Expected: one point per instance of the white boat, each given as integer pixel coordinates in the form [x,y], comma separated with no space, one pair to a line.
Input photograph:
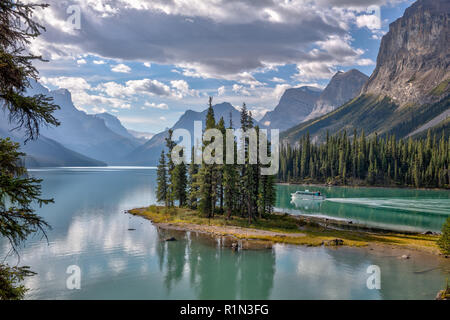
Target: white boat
[307,195]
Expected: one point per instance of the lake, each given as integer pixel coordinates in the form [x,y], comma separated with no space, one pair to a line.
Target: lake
[91,230]
[388,208]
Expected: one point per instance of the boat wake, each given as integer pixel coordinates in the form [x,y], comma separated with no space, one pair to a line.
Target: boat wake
[434,206]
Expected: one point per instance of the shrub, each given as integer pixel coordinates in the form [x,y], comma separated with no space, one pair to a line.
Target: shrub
[444,240]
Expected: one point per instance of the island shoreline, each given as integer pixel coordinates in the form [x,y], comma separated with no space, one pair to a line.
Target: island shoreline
[313,232]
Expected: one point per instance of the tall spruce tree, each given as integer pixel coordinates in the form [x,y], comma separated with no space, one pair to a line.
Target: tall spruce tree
[207,173]
[170,144]
[162,193]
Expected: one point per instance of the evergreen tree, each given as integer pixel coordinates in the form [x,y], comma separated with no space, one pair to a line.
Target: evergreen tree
[170,144]
[162,193]
[207,173]
[18,192]
[193,185]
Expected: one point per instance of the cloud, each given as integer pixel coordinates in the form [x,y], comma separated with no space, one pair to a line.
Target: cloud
[371,21]
[122,68]
[178,89]
[278,80]
[182,88]
[322,62]
[221,91]
[81,61]
[208,39]
[161,106]
[70,83]
[279,90]
[239,89]
[99,62]
[133,87]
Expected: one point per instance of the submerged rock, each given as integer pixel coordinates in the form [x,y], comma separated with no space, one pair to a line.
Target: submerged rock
[405,256]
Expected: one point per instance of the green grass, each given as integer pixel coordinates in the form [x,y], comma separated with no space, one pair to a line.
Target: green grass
[441,88]
[287,227]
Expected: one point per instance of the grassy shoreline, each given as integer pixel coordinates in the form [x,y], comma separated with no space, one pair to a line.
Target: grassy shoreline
[282,228]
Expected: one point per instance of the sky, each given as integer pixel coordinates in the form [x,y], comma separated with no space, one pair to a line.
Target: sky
[148,61]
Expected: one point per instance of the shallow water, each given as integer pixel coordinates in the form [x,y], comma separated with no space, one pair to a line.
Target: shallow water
[90,230]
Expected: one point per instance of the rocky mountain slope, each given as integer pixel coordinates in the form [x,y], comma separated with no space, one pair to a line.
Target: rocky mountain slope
[294,106]
[343,87]
[410,85]
[414,56]
[81,132]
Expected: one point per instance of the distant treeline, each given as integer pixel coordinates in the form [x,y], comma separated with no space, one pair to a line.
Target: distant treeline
[386,161]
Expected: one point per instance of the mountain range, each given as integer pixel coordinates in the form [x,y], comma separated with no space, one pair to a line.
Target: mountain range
[407,94]
[408,91]
[149,153]
[304,103]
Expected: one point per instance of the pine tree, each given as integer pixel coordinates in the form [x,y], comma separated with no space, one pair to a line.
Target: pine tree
[180,184]
[19,194]
[162,193]
[170,144]
[207,172]
[193,185]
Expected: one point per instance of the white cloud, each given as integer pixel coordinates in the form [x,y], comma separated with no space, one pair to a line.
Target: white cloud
[278,80]
[235,48]
[182,88]
[81,61]
[99,62]
[99,110]
[239,89]
[133,87]
[221,91]
[365,62]
[371,21]
[70,83]
[147,64]
[121,68]
[279,90]
[161,106]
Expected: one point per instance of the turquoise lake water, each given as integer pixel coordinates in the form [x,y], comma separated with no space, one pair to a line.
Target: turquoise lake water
[389,208]
[91,231]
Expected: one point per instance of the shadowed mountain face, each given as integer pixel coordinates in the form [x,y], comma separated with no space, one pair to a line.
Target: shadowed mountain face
[294,106]
[83,133]
[45,152]
[409,91]
[414,56]
[116,126]
[301,104]
[149,153]
[343,87]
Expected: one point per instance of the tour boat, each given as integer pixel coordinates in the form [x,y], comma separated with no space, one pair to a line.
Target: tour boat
[308,195]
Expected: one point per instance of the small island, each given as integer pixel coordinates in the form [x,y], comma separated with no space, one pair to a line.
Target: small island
[236,233]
